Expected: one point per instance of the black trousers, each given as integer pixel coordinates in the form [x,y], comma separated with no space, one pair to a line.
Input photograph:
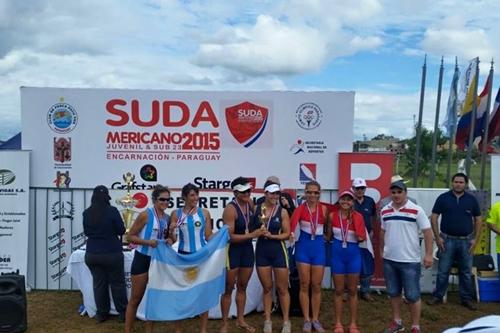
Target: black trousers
[108,273]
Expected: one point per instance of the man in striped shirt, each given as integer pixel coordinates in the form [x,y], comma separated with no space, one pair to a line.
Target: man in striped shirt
[401,222]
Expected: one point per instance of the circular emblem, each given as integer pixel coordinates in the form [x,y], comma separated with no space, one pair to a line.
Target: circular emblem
[6,177]
[197,224]
[191,273]
[62,118]
[308,116]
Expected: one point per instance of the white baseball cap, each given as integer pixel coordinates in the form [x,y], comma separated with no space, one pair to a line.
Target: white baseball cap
[358,182]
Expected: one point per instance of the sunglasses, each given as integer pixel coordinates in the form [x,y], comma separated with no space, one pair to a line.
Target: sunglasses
[397,192]
[244,192]
[312,192]
[163,199]
[360,188]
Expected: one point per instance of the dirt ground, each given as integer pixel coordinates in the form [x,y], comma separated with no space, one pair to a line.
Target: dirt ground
[57,311]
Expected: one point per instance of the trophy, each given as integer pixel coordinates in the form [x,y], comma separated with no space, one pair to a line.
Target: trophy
[263,217]
[127,202]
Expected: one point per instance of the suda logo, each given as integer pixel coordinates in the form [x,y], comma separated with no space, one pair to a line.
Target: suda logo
[6,177]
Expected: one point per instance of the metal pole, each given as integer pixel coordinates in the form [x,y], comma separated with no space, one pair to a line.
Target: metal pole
[419,124]
[454,128]
[436,121]
[470,146]
[487,122]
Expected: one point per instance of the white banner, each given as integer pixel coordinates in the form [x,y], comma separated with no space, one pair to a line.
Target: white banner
[84,137]
[14,210]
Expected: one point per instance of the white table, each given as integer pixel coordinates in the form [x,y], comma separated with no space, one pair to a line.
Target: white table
[80,273]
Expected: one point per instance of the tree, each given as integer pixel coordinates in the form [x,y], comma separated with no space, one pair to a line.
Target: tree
[425,160]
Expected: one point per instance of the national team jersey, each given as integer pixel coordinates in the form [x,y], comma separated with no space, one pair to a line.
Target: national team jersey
[191,231]
[154,229]
[355,228]
[302,217]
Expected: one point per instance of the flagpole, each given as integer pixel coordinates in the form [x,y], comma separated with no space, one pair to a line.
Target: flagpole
[453,129]
[470,146]
[487,123]
[419,124]
[436,121]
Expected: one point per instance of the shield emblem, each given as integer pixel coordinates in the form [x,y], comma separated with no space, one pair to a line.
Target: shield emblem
[246,122]
[62,150]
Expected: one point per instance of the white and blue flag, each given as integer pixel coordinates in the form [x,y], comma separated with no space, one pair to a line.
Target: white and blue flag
[184,285]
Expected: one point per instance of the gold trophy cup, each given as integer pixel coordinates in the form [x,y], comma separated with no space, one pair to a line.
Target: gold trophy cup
[127,202]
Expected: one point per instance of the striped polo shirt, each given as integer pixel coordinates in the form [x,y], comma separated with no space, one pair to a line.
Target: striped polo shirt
[401,226]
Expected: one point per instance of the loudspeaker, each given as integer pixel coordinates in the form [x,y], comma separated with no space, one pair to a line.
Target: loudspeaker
[13,315]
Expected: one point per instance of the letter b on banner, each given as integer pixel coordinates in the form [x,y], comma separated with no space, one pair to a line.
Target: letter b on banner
[376,169]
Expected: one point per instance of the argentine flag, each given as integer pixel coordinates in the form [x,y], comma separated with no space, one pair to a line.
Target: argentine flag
[184,285]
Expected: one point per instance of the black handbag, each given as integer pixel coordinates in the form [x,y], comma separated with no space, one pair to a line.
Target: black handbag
[483,262]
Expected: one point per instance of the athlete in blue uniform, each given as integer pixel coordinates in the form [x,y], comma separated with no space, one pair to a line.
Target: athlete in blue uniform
[238,216]
[271,255]
[146,231]
[192,226]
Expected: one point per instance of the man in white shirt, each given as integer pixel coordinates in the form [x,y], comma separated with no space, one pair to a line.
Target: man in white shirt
[401,221]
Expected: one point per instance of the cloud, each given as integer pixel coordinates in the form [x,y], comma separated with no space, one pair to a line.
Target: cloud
[453,36]
[269,47]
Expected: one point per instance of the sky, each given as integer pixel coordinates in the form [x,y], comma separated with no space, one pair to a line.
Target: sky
[373,47]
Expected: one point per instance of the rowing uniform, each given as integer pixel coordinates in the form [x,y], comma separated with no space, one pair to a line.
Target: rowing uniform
[241,254]
[270,252]
[191,231]
[310,245]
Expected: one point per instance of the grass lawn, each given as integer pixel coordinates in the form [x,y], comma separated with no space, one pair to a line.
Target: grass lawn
[57,311]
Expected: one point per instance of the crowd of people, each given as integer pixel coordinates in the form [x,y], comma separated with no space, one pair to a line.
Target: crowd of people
[313,229]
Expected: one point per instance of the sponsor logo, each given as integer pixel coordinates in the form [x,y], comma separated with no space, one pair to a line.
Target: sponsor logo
[78,237]
[246,122]
[142,200]
[62,150]
[5,258]
[57,246]
[58,260]
[307,172]
[63,210]
[204,183]
[308,116]
[62,179]
[6,177]
[148,173]
[62,118]
[297,147]
[56,236]
[59,274]
[309,146]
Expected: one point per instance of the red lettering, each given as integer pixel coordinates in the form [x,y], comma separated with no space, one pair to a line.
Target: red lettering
[167,118]
[111,108]
[155,114]
[210,116]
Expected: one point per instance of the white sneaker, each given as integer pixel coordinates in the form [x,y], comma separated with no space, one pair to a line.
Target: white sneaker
[287,327]
[268,326]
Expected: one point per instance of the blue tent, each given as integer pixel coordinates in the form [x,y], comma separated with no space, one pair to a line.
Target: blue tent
[12,143]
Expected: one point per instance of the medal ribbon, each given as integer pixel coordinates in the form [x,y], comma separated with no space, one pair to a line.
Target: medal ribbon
[159,233]
[342,233]
[273,211]
[182,219]
[314,222]
[246,217]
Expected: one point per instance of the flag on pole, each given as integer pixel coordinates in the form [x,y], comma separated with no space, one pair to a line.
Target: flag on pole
[482,105]
[450,120]
[185,285]
[494,125]
[468,83]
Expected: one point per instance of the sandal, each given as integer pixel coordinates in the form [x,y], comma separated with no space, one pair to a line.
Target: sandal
[245,327]
[354,329]
[338,328]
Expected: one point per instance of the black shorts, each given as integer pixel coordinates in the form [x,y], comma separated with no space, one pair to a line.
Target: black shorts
[140,263]
[271,252]
[241,255]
